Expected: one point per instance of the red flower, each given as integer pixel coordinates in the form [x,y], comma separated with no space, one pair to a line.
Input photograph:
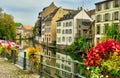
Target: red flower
[8,47]
[101,52]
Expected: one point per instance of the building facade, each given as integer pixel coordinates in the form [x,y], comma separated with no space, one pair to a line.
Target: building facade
[50,24]
[71,26]
[107,12]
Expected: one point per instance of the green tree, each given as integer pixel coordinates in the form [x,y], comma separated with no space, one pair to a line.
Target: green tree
[18,24]
[112,32]
[7,26]
[79,45]
[35,30]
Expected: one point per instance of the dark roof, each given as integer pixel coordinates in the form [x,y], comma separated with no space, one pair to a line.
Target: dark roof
[103,2]
[91,12]
[50,16]
[68,9]
[70,15]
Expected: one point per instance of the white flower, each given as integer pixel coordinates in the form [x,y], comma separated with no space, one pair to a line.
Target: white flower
[88,68]
[101,76]
[106,76]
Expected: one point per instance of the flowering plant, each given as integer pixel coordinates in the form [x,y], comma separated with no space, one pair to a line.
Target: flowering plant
[105,57]
[33,55]
[101,52]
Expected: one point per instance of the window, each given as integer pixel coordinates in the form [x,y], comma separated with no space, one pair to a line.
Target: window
[49,39]
[63,59]
[70,31]
[66,31]
[98,40]
[98,29]
[98,7]
[85,23]
[107,17]
[57,71]
[63,39]
[66,24]
[70,39]
[63,24]
[115,15]
[58,30]
[99,17]
[62,66]
[116,3]
[69,62]
[58,24]
[106,27]
[107,5]
[70,23]
[59,39]
[63,32]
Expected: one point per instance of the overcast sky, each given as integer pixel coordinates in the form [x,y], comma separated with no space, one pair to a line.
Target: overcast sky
[26,11]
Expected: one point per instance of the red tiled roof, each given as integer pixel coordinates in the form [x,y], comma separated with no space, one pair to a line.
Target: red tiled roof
[28,27]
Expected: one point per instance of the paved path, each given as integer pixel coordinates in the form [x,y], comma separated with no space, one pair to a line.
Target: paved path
[8,70]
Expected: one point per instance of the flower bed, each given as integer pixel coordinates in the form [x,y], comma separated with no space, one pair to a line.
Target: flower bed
[104,59]
[6,48]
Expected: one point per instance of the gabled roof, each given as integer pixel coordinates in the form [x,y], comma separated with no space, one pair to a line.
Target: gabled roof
[70,15]
[52,4]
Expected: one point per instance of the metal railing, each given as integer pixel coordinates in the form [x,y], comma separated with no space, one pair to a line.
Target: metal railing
[42,65]
[75,73]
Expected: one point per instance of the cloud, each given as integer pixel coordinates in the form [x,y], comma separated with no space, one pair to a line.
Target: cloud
[26,11]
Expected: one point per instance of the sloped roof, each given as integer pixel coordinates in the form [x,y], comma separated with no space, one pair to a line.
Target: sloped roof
[28,27]
[70,15]
[91,12]
[49,17]
[52,4]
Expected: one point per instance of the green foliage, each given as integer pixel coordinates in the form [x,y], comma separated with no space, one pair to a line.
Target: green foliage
[79,45]
[54,43]
[82,70]
[112,65]
[96,72]
[111,31]
[7,26]
[18,24]
[35,30]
